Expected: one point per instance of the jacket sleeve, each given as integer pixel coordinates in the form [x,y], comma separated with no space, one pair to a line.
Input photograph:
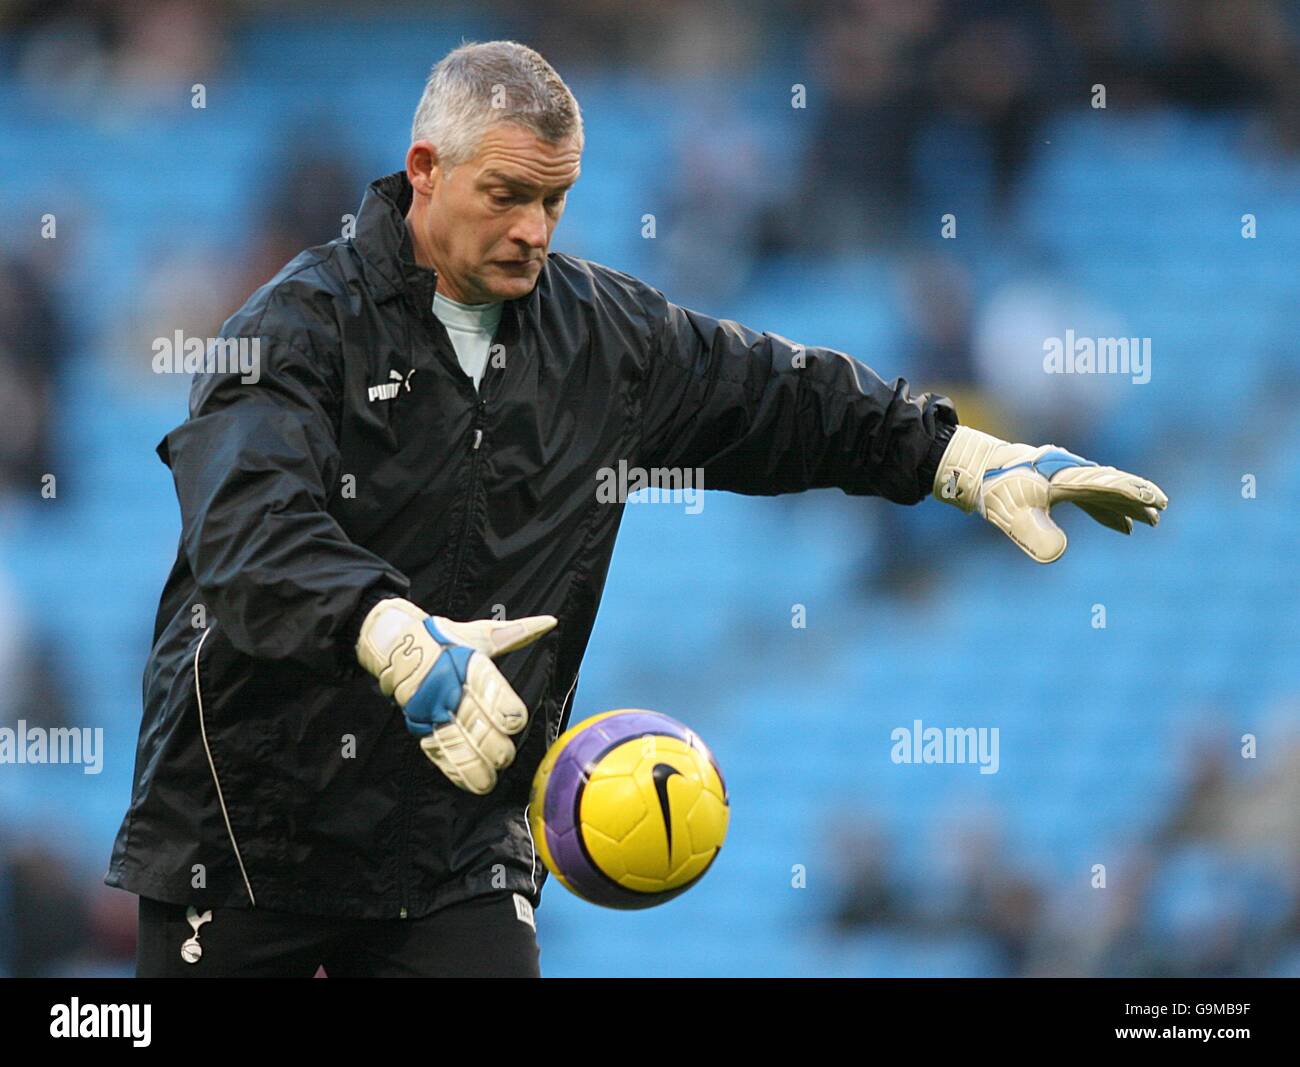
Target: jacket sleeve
[255,466]
[762,415]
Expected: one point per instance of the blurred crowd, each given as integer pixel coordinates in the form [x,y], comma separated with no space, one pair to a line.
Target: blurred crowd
[1213,891]
[891,75]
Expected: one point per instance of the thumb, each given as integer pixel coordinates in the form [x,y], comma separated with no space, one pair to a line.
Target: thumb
[1034,531]
[496,636]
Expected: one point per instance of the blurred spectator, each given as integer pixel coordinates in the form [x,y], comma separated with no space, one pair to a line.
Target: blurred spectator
[33,344]
[13,639]
[1009,334]
[981,891]
[936,295]
[47,907]
[195,287]
[866,97]
[718,197]
[305,194]
[987,78]
[1256,807]
[868,896]
[187,287]
[137,54]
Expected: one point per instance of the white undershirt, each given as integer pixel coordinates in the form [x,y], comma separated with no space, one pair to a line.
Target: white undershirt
[471,328]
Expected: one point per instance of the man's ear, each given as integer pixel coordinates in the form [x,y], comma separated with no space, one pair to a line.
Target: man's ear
[422,169]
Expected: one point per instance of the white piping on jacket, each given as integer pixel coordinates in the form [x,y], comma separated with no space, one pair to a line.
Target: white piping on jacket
[203,729]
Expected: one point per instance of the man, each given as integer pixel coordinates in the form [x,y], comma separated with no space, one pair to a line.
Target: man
[407,494]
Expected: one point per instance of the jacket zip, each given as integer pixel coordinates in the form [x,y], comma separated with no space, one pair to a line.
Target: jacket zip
[473,491]
[477,440]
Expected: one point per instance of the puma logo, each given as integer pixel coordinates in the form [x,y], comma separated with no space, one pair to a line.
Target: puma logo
[390,389]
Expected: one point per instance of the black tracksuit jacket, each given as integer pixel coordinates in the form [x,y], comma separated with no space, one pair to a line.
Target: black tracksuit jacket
[271,772]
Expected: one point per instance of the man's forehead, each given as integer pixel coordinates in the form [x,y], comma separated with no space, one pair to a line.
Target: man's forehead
[516,156]
[525,180]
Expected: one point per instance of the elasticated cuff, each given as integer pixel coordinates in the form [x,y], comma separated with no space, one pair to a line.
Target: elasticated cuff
[930,467]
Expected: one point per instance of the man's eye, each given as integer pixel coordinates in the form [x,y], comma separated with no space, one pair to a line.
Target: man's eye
[502,200]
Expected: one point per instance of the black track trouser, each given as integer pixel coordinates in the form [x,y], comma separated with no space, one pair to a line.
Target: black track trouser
[485,937]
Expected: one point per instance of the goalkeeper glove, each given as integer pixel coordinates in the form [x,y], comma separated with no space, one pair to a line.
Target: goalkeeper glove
[451,693]
[1014,487]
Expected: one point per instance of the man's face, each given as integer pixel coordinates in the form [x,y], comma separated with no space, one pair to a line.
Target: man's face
[485,225]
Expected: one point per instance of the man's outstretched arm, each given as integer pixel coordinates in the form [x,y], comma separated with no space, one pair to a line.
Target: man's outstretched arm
[760,414]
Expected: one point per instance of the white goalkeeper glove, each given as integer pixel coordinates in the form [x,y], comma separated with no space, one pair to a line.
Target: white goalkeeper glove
[1015,486]
[451,693]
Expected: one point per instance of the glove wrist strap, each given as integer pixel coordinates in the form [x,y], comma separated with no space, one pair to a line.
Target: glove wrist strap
[961,470]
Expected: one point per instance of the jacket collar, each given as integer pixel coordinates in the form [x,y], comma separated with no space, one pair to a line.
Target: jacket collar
[384,241]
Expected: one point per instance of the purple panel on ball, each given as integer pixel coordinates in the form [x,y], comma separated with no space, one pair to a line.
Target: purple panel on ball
[559,813]
[557,817]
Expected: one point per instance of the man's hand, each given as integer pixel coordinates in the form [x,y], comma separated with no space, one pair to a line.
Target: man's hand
[1015,486]
[451,693]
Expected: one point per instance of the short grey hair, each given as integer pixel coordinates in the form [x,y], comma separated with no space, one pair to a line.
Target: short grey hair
[478,85]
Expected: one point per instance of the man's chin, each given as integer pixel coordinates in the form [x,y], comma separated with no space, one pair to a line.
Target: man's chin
[510,281]
[512,288]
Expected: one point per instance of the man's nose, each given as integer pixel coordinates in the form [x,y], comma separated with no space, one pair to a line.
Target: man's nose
[530,225]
